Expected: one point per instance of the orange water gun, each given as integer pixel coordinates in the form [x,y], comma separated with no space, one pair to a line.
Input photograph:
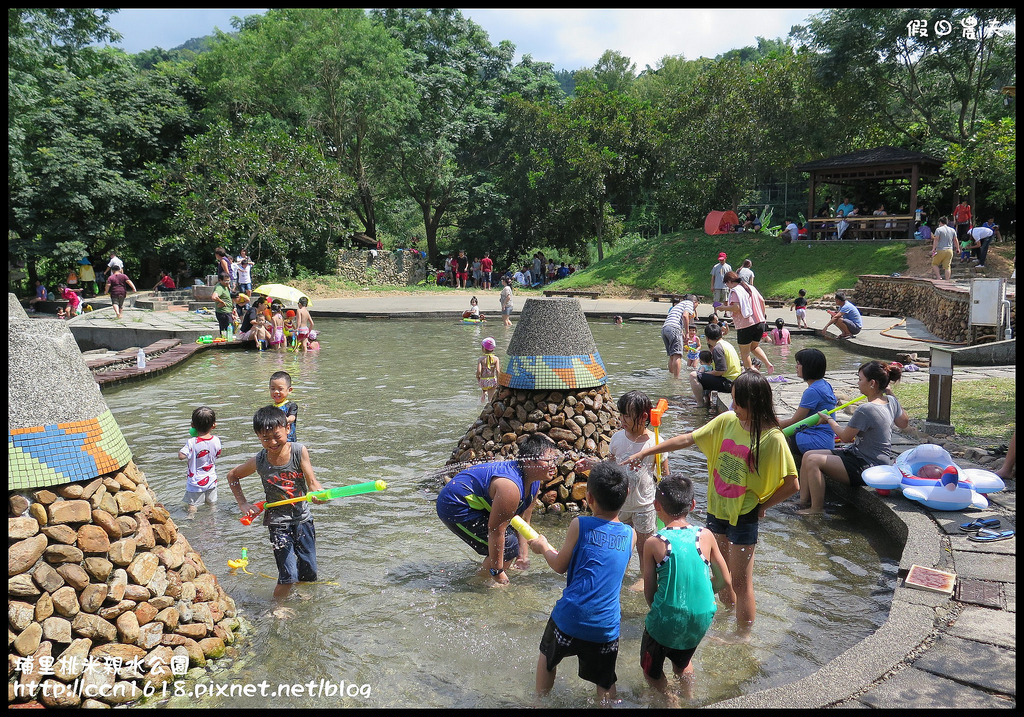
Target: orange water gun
[656,413]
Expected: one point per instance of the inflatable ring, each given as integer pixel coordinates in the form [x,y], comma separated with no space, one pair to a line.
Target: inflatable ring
[472,321]
[927,474]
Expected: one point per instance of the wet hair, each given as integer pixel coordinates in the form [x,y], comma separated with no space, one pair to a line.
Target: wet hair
[303,301]
[203,419]
[267,419]
[713,332]
[880,372]
[752,392]
[705,356]
[675,494]
[780,323]
[635,403]
[282,374]
[802,292]
[813,363]
[536,444]
[609,484]
[840,297]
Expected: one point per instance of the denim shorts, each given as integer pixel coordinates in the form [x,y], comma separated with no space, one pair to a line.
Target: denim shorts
[743,533]
[295,552]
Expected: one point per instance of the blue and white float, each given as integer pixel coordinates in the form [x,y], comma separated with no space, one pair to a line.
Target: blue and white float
[927,474]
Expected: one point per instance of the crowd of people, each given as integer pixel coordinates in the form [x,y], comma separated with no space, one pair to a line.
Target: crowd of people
[462,272]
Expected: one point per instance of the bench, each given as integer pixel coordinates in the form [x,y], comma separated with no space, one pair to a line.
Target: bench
[570,293]
[674,298]
[864,227]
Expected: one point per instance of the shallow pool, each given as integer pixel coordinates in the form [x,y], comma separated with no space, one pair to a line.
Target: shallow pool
[399,620]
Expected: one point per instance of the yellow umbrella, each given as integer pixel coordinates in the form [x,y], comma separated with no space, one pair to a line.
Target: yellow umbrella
[281,291]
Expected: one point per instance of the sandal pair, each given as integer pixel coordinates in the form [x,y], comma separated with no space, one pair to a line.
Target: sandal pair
[980,524]
[990,536]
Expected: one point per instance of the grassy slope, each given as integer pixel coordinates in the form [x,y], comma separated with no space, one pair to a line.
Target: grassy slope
[682,262]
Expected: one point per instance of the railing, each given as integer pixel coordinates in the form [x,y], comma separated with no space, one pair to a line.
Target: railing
[863,228]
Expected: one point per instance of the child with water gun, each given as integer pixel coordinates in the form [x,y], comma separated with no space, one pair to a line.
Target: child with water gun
[286,472]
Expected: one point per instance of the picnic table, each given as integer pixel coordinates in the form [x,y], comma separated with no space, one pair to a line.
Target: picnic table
[864,227]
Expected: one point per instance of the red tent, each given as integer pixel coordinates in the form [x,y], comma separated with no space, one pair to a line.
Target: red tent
[720,222]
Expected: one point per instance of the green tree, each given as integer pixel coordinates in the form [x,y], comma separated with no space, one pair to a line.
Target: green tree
[331,70]
[257,189]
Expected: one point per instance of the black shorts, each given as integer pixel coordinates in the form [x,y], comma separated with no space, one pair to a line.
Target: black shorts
[710,382]
[743,533]
[596,659]
[473,533]
[750,334]
[853,464]
[223,319]
[653,654]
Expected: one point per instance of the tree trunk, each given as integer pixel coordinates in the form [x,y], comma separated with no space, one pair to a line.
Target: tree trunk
[600,228]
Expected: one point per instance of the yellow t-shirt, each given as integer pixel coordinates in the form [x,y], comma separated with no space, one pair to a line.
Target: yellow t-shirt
[87,273]
[733,487]
[733,367]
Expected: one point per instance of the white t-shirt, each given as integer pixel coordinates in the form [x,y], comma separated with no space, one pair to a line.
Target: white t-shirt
[201,454]
[793,231]
[746,274]
[641,481]
[115,263]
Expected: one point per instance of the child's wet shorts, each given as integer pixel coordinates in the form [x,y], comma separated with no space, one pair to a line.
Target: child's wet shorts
[644,520]
[853,464]
[198,497]
[295,552]
[653,654]
[743,533]
[474,534]
[596,659]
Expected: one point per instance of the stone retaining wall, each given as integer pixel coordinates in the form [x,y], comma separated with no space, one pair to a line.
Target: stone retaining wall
[99,574]
[941,306]
[373,268]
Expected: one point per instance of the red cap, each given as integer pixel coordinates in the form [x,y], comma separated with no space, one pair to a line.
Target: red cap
[721,256]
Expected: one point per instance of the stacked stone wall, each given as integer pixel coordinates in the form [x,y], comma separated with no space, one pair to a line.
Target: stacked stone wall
[103,593]
[373,268]
[942,307]
[581,422]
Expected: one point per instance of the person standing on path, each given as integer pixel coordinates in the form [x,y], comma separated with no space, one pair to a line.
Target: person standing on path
[719,291]
[486,267]
[943,242]
[117,288]
[506,301]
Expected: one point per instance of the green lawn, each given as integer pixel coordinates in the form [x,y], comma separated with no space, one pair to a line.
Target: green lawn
[982,410]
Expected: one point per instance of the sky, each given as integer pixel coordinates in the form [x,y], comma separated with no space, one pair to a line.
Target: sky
[568,39]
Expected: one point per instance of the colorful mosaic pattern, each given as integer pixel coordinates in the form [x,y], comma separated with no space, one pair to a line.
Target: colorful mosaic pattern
[553,372]
[65,452]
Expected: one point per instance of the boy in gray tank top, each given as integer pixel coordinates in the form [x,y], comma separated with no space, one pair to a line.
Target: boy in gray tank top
[286,472]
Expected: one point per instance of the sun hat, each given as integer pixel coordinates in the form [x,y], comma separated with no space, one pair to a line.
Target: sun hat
[721,255]
[487,344]
[313,334]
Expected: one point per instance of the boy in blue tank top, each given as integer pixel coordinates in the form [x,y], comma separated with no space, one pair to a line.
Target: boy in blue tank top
[683,569]
[585,620]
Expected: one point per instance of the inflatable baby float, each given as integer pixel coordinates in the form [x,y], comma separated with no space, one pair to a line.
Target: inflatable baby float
[928,475]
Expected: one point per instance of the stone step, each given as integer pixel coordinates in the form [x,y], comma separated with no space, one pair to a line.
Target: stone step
[193,305]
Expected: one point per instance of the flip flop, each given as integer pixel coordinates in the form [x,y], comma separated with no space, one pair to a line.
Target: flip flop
[975,525]
[990,536]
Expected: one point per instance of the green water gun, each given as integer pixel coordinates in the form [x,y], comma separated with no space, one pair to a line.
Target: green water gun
[522,527]
[814,419]
[329,494]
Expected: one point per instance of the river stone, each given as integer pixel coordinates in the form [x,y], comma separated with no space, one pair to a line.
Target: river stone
[94,627]
[117,650]
[159,659]
[107,523]
[93,596]
[124,481]
[18,504]
[20,614]
[44,607]
[111,485]
[144,533]
[70,511]
[21,528]
[71,491]
[57,629]
[98,568]
[145,612]
[107,502]
[195,630]
[128,501]
[122,551]
[22,586]
[158,583]
[165,533]
[61,533]
[47,578]
[206,587]
[195,653]
[138,593]
[93,539]
[65,601]
[44,496]
[98,682]
[118,584]
[128,627]
[115,611]
[123,692]
[213,647]
[188,592]
[201,613]
[55,695]
[38,512]
[156,514]
[23,555]
[161,602]
[91,487]
[28,641]
[142,568]
[30,678]
[75,575]
[149,635]
[76,655]
[127,524]
[63,554]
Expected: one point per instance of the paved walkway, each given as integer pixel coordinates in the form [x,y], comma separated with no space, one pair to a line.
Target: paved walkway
[934,650]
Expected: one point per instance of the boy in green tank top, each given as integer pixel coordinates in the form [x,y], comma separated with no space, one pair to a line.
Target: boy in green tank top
[683,569]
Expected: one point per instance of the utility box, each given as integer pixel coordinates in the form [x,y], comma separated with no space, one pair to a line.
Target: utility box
[989,308]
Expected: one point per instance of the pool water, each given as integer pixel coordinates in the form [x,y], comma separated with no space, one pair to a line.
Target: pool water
[399,618]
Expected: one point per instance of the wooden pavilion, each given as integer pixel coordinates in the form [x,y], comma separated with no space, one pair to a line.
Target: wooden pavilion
[870,165]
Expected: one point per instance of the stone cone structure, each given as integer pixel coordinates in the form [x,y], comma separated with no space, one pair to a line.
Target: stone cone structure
[105,596]
[553,383]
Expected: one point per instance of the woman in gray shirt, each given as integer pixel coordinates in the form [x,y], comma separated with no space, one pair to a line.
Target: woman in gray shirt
[870,431]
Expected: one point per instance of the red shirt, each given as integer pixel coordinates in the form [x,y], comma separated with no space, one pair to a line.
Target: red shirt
[962,214]
[486,264]
[167,282]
